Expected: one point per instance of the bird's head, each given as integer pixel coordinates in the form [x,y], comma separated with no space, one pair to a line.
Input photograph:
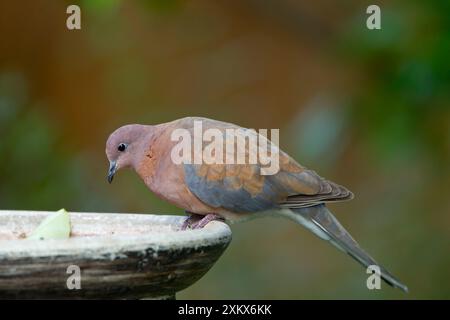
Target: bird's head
[122,146]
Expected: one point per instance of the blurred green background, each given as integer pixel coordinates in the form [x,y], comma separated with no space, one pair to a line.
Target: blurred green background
[367,109]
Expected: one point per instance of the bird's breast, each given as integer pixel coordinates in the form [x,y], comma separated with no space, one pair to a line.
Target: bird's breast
[166,179]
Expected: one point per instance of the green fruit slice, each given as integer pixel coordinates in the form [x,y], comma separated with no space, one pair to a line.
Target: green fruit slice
[55,226]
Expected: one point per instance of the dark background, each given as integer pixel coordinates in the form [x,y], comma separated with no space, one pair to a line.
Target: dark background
[367,109]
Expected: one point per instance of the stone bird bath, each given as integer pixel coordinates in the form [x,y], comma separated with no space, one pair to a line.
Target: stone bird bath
[126,256]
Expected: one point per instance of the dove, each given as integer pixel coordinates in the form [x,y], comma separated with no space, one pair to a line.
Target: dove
[232,191]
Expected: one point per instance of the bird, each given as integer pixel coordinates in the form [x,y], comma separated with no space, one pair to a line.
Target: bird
[231,191]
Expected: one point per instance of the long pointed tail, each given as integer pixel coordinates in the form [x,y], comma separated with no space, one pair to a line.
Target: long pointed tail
[321,222]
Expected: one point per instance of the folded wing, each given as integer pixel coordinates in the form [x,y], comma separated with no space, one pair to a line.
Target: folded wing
[242,187]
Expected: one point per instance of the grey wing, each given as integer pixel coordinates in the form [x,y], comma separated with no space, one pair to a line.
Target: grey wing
[233,192]
[242,187]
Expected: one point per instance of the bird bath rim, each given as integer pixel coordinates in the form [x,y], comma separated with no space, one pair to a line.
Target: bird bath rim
[125,256]
[170,237]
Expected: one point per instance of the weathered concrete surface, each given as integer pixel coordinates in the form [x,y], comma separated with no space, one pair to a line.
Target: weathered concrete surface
[120,255]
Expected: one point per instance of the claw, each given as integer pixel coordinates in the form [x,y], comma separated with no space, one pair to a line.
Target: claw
[205,220]
[195,222]
[190,220]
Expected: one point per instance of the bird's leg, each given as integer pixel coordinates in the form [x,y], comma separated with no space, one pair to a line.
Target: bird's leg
[190,220]
[205,220]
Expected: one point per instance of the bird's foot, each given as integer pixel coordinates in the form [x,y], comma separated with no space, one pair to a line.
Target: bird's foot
[193,221]
[206,219]
[190,220]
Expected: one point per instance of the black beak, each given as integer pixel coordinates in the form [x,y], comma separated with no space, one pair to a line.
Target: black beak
[111,171]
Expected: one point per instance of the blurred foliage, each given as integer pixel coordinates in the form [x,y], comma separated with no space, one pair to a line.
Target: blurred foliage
[368,109]
[405,105]
[37,172]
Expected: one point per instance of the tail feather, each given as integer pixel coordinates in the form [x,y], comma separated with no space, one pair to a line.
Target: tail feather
[321,222]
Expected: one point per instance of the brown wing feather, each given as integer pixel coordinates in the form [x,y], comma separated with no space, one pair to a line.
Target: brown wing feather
[293,186]
[329,192]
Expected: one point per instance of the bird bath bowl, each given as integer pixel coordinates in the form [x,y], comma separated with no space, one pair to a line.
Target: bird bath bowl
[126,256]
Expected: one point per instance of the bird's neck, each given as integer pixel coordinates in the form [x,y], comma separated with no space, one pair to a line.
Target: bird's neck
[150,153]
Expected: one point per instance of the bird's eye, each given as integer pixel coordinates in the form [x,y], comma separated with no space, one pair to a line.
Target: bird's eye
[122,147]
